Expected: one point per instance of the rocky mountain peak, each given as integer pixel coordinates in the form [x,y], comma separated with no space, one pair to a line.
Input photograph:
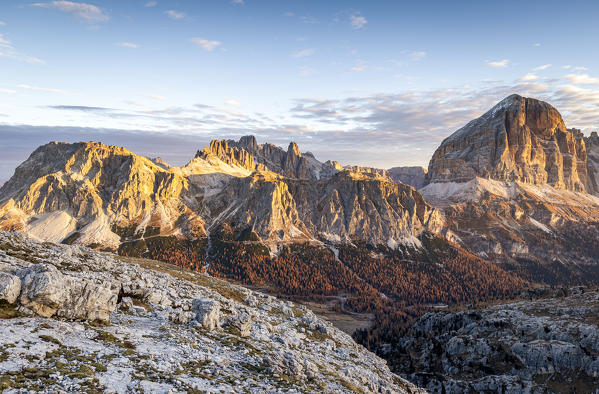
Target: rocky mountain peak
[519,139]
[160,162]
[232,155]
[249,142]
[293,149]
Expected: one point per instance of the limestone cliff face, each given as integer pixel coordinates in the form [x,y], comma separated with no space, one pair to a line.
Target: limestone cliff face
[261,203]
[592,143]
[520,139]
[364,206]
[348,205]
[414,176]
[231,155]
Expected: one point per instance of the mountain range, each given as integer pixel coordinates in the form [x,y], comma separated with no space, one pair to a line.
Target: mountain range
[513,186]
[89,193]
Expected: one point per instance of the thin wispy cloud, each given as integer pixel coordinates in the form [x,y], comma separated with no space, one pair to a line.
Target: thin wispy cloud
[303,53]
[582,79]
[540,68]
[8,50]
[357,21]
[360,65]
[306,71]
[239,2]
[536,44]
[40,89]
[577,68]
[2,23]
[128,45]
[205,44]
[150,4]
[87,12]
[308,19]
[82,108]
[498,64]
[233,103]
[175,14]
[415,56]
[156,97]
[530,77]
[7,91]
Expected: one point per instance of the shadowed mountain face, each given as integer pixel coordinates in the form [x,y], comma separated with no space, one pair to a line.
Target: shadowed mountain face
[520,139]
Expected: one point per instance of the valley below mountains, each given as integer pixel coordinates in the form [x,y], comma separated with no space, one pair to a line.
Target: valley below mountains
[429,258]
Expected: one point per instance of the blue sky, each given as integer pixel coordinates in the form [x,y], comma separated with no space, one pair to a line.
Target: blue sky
[373,83]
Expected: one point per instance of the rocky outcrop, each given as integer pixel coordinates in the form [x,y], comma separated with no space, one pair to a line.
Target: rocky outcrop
[10,287]
[232,155]
[413,176]
[262,203]
[246,153]
[47,292]
[173,331]
[516,186]
[534,346]
[207,313]
[520,139]
[161,163]
[592,143]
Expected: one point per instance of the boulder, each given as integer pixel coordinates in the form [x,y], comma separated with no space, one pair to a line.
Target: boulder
[207,312]
[43,289]
[179,316]
[10,287]
[47,292]
[241,322]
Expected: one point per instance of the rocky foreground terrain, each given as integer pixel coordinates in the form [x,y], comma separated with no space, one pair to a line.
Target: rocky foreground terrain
[530,346]
[72,319]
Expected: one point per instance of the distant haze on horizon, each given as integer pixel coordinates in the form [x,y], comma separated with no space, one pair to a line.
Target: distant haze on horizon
[366,83]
